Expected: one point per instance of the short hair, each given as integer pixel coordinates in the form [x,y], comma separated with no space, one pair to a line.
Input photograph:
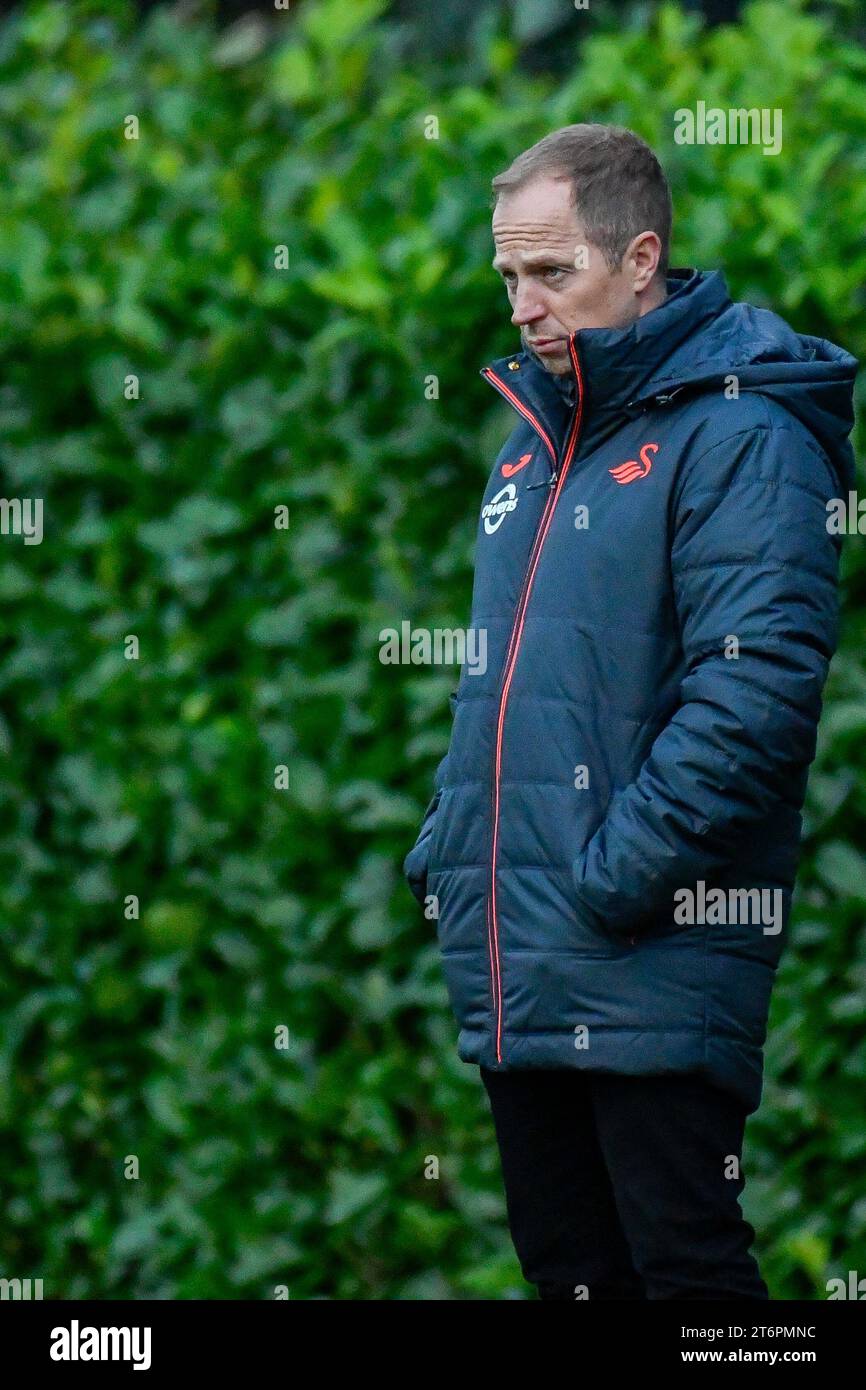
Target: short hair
[618,186]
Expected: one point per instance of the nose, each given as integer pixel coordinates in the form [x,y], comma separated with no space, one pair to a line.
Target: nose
[527,306]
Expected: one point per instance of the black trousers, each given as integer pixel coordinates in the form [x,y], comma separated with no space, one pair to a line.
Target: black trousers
[624,1186]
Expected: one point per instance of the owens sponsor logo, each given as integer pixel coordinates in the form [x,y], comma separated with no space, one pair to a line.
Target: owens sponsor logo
[495,511]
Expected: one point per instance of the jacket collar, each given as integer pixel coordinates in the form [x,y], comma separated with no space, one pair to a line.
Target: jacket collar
[618,365]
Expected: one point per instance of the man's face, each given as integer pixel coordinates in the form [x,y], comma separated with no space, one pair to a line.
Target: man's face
[538,239]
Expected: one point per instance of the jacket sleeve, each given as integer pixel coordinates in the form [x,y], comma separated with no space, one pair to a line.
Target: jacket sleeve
[415,863]
[752,559]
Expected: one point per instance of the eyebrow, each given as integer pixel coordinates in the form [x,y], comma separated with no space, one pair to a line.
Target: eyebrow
[549,258]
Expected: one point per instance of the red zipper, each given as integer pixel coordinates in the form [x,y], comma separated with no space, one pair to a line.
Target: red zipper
[539,428]
[524,410]
[514,647]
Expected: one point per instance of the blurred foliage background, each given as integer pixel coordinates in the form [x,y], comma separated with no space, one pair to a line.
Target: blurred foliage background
[296,379]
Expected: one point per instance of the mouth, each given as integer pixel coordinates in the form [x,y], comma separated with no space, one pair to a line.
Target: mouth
[545,344]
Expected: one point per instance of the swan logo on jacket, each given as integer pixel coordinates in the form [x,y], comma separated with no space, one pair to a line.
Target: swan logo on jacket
[495,511]
[627,472]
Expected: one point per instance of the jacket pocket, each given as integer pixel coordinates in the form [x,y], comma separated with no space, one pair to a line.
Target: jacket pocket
[417,861]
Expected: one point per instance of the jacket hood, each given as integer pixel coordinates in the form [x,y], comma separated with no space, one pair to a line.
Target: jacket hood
[695,340]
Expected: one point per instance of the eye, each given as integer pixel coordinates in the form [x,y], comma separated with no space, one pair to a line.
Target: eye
[547,271]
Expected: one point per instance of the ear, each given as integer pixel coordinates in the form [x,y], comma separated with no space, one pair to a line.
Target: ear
[642,258]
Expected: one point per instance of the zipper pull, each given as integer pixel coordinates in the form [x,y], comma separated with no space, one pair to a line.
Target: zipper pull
[663,400]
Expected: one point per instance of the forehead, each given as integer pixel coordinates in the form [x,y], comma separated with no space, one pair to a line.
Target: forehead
[535,217]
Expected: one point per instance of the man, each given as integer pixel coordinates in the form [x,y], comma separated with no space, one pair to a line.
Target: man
[614,832]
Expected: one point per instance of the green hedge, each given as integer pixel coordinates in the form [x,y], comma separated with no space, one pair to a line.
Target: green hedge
[261,906]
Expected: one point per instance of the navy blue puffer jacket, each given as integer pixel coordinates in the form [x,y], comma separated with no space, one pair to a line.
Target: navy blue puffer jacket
[657,580]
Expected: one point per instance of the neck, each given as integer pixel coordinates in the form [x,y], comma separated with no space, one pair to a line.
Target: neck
[654,297]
